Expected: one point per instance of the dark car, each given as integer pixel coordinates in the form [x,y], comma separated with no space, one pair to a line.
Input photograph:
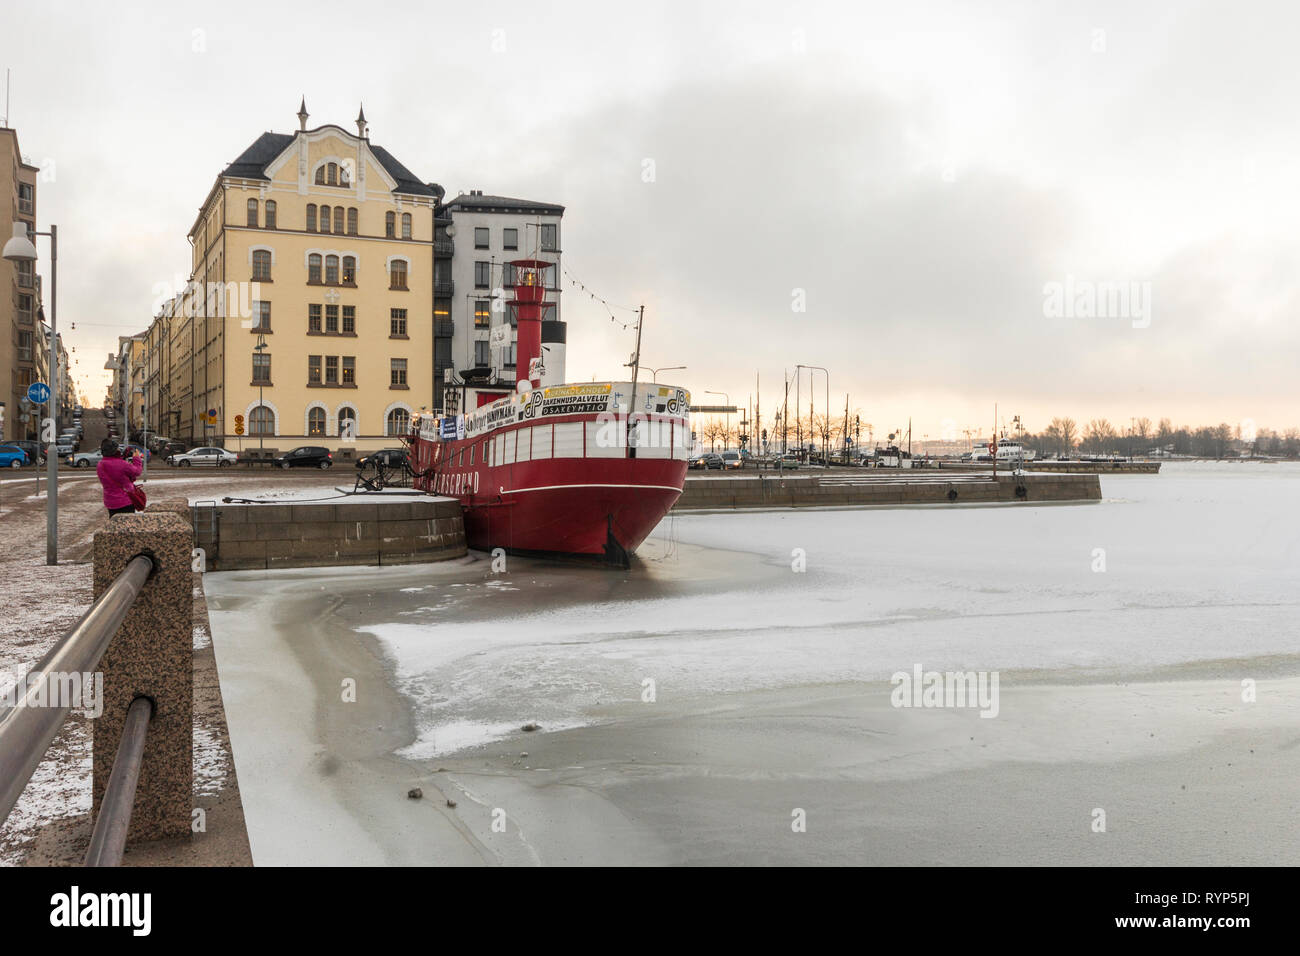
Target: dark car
[172,448]
[308,456]
[709,461]
[393,458]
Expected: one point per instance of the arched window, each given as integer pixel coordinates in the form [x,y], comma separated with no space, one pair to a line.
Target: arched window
[261,265]
[320,175]
[397,274]
[347,422]
[344,178]
[398,423]
[324,218]
[261,421]
[270,214]
[313,267]
[390,224]
[332,177]
[252,213]
[331,270]
[349,270]
[338,219]
[316,421]
[406,225]
[352,221]
[311,217]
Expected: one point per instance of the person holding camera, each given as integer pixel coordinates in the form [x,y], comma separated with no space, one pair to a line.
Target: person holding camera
[117,475]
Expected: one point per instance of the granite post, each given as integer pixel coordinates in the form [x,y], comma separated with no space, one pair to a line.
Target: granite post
[152,655]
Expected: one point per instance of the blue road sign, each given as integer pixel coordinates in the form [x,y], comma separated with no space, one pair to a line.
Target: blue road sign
[38,392]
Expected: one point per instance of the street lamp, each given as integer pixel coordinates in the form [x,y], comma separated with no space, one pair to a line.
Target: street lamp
[20,248]
[728,401]
[261,407]
[654,372]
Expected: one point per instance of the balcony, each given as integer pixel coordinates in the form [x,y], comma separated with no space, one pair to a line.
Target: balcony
[444,288]
[444,328]
[444,248]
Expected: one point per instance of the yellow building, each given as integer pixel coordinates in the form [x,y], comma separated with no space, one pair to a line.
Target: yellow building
[22,346]
[309,314]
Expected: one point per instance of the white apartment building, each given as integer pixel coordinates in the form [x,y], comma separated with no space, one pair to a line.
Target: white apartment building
[473,284]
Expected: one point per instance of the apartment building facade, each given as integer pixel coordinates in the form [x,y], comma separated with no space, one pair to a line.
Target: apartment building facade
[23,344]
[488,232]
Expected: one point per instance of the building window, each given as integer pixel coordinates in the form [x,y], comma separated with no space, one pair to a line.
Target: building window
[482,357]
[398,422]
[397,275]
[390,224]
[261,266]
[347,420]
[270,214]
[406,225]
[349,370]
[324,218]
[338,220]
[331,370]
[26,199]
[252,213]
[313,318]
[261,316]
[352,221]
[313,369]
[332,319]
[510,238]
[349,320]
[508,356]
[482,275]
[548,238]
[397,323]
[25,274]
[320,175]
[481,235]
[261,421]
[508,275]
[316,421]
[397,373]
[331,270]
[313,267]
[349,270]
[24,309]
[482,314]
[311,217]
[24,346]
[261,368]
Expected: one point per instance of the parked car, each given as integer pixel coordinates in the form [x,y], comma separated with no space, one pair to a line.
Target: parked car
[88,459]
[64,446]
[790,460]
[11,456]
[172,448]
[394,458]
[208,455]
[35,451]
[307,456]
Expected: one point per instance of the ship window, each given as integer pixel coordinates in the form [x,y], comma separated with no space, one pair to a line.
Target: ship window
[471,455]
[541,442]
[525,444]
[568,440]
[510,449]
[486,446]
[653,439]
[681,446]
[606,439]
[498,450]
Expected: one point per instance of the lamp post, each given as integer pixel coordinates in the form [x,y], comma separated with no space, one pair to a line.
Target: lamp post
[654,372]
[727,398]
[20,248]
[261,408]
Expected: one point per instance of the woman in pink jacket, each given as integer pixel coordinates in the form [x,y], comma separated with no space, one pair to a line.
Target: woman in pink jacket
[118,476]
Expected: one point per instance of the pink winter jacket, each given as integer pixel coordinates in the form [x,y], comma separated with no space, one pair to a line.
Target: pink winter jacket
[118,475]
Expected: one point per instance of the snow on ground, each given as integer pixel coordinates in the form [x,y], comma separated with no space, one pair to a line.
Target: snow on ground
[1196,564]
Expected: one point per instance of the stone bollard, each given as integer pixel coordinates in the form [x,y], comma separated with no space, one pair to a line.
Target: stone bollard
[151,655]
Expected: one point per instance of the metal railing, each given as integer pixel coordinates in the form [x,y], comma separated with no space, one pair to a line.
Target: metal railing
[29,727]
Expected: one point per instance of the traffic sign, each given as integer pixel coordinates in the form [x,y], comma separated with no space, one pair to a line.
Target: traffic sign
[239,419]
[212,413]
[239,429]
[38,392]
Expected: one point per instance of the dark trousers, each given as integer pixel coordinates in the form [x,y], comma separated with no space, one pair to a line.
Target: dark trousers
[128,510]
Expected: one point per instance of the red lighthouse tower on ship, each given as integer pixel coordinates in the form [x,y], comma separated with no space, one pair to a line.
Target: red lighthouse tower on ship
[547,468]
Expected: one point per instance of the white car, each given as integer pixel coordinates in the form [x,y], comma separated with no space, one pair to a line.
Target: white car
[217,457]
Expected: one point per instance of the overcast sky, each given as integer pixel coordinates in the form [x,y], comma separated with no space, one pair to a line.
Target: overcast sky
[917,175]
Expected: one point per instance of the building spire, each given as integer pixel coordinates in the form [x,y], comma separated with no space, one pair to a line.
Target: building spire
[361,122]
[303,114]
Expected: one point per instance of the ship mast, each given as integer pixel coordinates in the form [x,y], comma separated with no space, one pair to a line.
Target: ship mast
[636,368]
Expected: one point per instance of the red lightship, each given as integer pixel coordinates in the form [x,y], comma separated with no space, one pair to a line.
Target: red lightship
[583,469]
